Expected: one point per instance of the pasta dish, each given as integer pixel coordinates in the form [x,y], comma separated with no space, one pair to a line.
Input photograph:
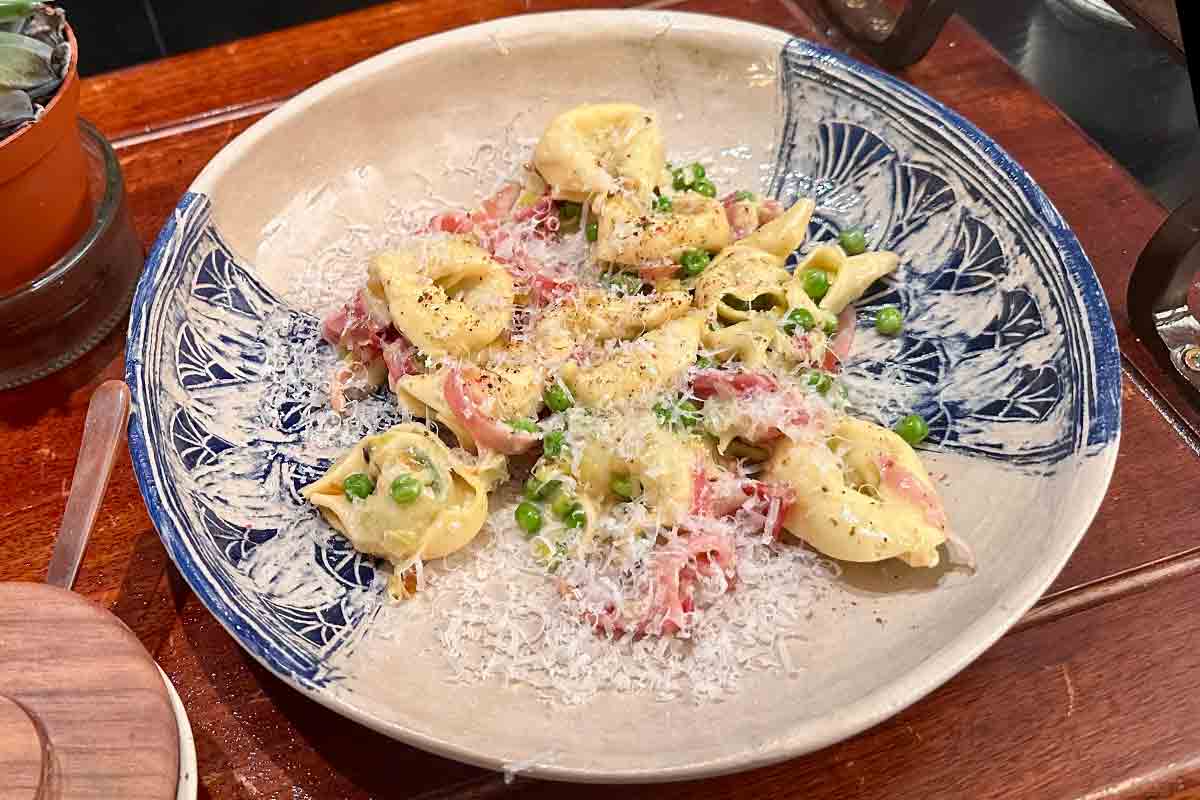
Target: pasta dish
[652,363]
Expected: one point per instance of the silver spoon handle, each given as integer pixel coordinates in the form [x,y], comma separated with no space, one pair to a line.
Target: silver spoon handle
[103,431]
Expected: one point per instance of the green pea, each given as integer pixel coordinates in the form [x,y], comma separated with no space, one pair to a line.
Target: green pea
[680,180]
[704,362]
[821,381]
[830,326]
[592,231]
[742,194]
[853,241]
[798,318]
[912,429]
[705,187]
[698,171]
[625,487]
[561,505]
[889,321]
[815,282]
[523,424]
[529,518]
[552,444]
[358,486]
[576,517]
[693,262]
[663,204]
[405,489]
[557,397]
[569,211]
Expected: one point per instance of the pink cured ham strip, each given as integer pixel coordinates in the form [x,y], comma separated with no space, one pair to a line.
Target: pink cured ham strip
[839,348]
[488,432]
[904,483]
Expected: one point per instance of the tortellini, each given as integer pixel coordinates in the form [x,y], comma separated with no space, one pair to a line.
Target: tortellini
[850,276]
[447,296]
[605,316]
[663,461]
[743,279]
[696,392]
[782,235]
[442,508]
[862,495]
[645,366]
[631,234]
[598,149]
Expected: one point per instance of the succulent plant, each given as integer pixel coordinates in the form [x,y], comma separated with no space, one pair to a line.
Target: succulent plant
[34,58]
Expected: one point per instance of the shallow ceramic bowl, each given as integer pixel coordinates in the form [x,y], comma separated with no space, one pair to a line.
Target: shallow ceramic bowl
[1009,351]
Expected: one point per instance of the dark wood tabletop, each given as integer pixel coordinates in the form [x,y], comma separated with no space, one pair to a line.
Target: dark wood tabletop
[1096,693]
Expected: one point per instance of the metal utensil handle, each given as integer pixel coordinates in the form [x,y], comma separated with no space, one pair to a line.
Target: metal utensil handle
[103,431]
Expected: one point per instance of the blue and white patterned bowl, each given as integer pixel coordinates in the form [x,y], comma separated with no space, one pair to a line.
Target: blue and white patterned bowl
[1009,350]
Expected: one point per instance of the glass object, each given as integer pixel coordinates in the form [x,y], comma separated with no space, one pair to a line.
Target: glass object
[63,313]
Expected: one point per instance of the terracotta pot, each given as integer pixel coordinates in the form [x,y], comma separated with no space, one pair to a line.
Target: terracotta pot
[44,197]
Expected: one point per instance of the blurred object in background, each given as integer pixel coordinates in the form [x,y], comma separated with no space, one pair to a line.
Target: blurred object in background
[1118,83]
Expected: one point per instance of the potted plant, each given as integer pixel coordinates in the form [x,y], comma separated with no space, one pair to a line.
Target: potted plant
[45,205]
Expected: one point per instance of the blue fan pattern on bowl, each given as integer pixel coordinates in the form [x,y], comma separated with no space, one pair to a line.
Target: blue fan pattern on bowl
[1008,350]
[223,449]
[1008,347]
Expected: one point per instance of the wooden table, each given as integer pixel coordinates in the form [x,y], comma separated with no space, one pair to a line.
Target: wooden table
[1095,694]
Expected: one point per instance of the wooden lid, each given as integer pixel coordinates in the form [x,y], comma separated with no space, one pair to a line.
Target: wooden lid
[74,677]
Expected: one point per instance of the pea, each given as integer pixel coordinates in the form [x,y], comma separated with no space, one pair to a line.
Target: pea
[557,397]
[561,505]
[742,194]
[704,362]
[705,187]
[912,429]
[358,486]
[830,326]
[552,444]
[889,321]
[663,204]
[523,424]
[405,489]
[568,211]
[625,487]
[529,518]
[693,262]
[576,517]
[698,171]
[815,282]
[592,231]
[821,381]
[853,241]
[680,181]
[798,318]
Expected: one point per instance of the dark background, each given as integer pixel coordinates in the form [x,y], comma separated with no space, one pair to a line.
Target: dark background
[1115,82]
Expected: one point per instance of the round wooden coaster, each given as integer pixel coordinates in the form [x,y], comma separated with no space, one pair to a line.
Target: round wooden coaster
[95,693]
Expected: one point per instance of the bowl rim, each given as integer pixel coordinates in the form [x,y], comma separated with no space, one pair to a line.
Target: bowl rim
[865,712]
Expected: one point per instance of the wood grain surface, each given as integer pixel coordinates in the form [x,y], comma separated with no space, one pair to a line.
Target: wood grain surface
[96,694]
[1094,695]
